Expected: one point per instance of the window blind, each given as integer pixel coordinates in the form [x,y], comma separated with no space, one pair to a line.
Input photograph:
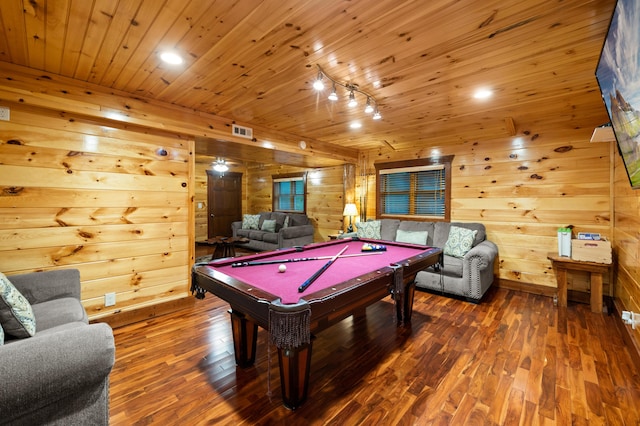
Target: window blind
[413,191]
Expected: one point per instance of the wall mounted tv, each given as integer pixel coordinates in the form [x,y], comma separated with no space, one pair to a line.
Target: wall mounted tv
[618,75]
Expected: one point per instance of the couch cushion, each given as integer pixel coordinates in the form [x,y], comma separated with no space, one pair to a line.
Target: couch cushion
[268,225]
[280,219]
[413,237]
[298,219]
[250,221]
[413,226]
[388,229]
[452,266]
[459,242]
[369,229]
[256,235]
[243,232]
[270,237]
[56,312]
[16,314]
[263,216]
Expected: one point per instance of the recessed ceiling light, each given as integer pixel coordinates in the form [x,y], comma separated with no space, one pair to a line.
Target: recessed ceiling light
[171,58]
[483,94]
[355,125]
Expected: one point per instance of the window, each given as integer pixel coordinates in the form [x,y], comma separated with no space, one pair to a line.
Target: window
[289,193]
[415,189]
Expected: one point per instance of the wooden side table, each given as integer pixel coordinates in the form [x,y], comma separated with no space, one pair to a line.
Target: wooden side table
[563,264]
[224,246]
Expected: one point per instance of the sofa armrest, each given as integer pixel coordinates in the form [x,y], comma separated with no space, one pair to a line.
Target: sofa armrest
[477,269]
[39,371]
[40,287]
[296,231]
[234,228]
[486,252]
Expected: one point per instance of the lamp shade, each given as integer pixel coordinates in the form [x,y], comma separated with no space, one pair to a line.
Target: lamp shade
[350,210]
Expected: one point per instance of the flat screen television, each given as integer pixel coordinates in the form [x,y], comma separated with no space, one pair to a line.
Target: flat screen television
[618,75]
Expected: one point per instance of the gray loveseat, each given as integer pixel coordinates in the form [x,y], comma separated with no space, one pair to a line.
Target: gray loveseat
[469,276]
[60,375]
[291,229]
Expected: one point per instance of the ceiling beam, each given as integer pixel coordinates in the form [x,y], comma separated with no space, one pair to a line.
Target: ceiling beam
[29,87]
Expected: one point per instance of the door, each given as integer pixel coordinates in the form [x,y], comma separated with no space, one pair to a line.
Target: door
[224,197]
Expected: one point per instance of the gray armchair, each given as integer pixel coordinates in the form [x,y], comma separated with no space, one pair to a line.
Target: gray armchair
[61,374]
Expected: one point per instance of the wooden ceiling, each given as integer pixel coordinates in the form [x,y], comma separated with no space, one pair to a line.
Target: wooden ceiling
[254,61]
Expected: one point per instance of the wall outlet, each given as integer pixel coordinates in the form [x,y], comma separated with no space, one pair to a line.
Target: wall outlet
[631,318]
[109,299]
[5,114]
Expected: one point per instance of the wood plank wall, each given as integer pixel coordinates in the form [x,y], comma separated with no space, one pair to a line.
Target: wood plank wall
[325,195]
[523,188]
[627,244]
[113,202]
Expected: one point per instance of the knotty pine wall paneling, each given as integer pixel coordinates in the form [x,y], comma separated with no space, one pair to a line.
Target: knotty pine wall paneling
[626,244]
[115,203]
[325,195]
[523,188]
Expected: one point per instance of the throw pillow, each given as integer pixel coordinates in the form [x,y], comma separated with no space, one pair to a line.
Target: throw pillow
[413,237]
[250,221]
[1,336]
[269,225]
[286,222]
[459,242]
[16,315]
[369,229]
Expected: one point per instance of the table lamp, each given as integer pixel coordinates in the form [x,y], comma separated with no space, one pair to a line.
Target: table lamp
[350,210]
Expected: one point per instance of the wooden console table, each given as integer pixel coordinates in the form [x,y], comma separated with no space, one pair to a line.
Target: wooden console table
[562,264]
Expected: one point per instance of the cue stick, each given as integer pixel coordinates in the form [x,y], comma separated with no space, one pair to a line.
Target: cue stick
[319,272]
[301,259]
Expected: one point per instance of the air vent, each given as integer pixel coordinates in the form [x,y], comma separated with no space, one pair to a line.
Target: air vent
[243,132]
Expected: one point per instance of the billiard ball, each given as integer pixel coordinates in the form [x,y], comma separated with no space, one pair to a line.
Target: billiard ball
[282,268]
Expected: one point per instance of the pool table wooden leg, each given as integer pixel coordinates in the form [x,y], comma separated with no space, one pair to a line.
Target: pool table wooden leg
[409,294]
[245,336]
[294,374]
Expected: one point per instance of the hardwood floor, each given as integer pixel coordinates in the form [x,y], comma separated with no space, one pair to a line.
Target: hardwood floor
[513,359]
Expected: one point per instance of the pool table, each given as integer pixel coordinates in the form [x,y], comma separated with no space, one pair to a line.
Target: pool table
[261,295]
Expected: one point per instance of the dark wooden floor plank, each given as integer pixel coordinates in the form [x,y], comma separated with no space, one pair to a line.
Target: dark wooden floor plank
[513,359]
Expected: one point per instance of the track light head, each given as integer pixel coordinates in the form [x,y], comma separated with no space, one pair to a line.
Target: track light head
[376,115]
[352,99]
[318,84]
[368,108]
[333,96]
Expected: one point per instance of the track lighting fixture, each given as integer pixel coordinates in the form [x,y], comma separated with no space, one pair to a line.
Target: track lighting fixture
[353,89]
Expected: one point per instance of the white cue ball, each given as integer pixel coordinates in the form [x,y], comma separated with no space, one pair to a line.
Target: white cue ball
[282,268]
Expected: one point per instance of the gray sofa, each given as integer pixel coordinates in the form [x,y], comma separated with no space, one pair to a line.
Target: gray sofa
[291,229]
[60,375]
[469,276]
